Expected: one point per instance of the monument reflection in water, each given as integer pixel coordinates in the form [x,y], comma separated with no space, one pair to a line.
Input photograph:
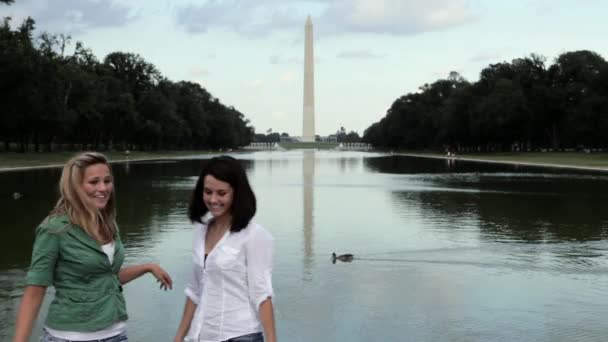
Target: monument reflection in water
[308,194]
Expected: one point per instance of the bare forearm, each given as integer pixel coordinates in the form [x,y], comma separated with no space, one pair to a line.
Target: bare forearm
[267,319]
[129,273]
[184,325]
[28,312]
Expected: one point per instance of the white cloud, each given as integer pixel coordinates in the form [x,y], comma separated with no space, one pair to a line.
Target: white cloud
[245,17]
[262,17]
[276,60]
[487,56]
[71,17]
[360,54]
[287,77]
[398,17]
[278,114]
[198,72]
[257,83]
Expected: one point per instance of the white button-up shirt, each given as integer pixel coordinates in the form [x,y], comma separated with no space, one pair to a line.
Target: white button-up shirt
[230,286]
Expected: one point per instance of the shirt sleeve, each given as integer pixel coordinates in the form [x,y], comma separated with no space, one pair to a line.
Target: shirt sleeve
[260,250]
[44,257]
[193,287]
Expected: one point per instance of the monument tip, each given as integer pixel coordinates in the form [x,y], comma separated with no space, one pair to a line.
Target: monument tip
[309,20]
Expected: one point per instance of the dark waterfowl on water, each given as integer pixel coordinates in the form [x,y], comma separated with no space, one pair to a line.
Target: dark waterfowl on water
[342,257]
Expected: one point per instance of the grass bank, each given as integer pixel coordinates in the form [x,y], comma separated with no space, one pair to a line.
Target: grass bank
[573,160]
[308,145]
[16,161]
[589,161]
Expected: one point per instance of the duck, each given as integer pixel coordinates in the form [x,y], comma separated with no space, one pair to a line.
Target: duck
[342,257]
[17,195]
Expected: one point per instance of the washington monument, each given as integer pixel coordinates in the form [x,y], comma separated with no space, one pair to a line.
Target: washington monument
[308,115]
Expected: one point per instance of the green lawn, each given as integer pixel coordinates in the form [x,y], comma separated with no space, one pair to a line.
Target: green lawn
[311,145]
[577,159]
[564,158]
[31,159]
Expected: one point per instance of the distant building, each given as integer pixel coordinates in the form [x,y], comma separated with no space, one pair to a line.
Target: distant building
[332,138]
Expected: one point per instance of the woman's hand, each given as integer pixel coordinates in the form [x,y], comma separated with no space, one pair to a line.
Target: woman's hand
[161,276]
[129,273]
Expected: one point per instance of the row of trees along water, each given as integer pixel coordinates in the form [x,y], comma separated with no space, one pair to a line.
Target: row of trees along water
[519,106]
[51,99]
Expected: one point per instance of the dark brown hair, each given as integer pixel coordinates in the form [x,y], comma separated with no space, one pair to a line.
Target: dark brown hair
[226,169]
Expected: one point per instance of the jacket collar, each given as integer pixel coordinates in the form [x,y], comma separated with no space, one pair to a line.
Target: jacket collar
[81,235]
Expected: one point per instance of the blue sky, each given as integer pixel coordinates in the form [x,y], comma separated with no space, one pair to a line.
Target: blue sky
[249,53]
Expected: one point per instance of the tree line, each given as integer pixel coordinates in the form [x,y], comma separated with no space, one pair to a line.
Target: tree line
[51,99]
[524,105]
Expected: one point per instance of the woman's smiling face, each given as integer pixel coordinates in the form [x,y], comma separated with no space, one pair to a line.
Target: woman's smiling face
[98,184]
[217,196]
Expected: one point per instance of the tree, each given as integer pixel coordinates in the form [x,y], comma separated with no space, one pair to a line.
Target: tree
[191,101]
[454,128]
[502,116]
[352,137]
[139,75]
[523,104]
[576,75]
[273,137]
[50,97]
[19,73]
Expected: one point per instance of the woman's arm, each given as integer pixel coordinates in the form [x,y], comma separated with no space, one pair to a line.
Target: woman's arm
[129,273]
[193,291]
[259,254]
[38,278]
[184,325]
[267,319]
[28,311]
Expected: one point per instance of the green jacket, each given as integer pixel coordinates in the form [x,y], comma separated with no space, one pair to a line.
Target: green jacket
[88,294]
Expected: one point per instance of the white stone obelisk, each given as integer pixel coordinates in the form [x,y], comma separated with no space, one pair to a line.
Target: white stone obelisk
[308,123]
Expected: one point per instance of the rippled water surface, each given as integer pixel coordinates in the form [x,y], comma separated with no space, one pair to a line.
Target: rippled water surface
[444,251]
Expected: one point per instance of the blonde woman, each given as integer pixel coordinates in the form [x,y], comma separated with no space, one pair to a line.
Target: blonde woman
[78,251]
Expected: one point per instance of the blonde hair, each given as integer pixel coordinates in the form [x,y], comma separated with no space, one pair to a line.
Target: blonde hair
[99,224]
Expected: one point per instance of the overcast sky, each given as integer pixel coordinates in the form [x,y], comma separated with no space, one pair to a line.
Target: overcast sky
[249,53]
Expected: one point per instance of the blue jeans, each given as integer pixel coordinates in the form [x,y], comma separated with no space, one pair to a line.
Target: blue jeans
[46,337]
[255,337]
